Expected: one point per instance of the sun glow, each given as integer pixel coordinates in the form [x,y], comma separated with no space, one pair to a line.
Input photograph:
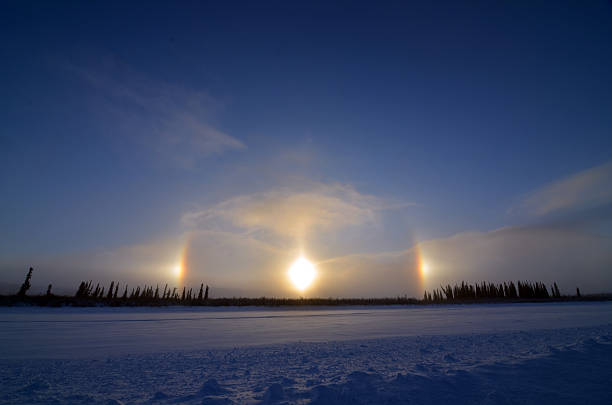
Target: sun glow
[302,273]
[424,268]
[177,270]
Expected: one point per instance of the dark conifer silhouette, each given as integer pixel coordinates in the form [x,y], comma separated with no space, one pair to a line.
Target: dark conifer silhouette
[26,284]
[555,291]
[81,290]
[507,290]
[464,292]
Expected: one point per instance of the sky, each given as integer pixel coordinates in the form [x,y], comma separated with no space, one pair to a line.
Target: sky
[395,145]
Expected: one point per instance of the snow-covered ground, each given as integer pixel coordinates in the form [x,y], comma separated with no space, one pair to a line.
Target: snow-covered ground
[522,353]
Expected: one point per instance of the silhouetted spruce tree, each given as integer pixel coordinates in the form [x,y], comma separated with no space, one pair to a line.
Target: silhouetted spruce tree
[101,295]
[206,293]
[577,292]
[183,295]
[200,294]
[116,290]
[49,290]
[26,284]
[88,289]
[80,290]
[556,292]
[512,288]
[542,290]
[125,293]
[110,290]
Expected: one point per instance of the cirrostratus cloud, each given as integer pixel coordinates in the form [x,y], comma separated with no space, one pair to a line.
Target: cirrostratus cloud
[291,213]
[586,189]
[248,242]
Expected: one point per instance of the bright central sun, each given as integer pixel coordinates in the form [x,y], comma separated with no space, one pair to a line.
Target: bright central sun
[301,273]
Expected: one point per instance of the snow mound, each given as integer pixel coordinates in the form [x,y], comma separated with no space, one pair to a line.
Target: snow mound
[212,387]
[274,394]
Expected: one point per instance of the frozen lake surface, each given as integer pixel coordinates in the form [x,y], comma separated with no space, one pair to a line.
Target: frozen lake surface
[89,332]
[525,353]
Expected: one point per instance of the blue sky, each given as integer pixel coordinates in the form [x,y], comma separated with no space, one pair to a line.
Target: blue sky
[368,129]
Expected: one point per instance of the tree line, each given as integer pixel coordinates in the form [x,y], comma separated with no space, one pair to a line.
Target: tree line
[88,294]
[146,295]
[492,291]
[86,290]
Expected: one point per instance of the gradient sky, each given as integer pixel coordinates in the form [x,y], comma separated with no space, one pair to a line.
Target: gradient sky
[230,138]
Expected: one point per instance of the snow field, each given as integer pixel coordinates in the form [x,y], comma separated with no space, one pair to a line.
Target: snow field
[563,365]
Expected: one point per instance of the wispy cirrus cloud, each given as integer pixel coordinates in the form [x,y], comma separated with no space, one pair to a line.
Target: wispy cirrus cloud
[586,189]
[293,212]
[173,122]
